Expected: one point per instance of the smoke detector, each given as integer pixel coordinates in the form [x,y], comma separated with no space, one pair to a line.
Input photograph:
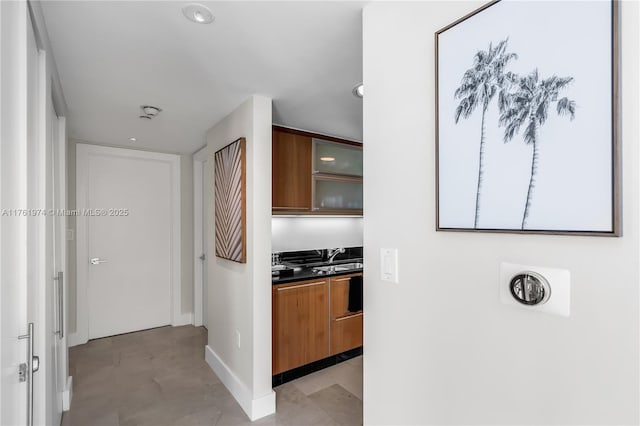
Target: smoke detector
[148,112]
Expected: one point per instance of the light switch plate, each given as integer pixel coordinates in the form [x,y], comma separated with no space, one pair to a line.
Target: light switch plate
[559,281]
[389,265]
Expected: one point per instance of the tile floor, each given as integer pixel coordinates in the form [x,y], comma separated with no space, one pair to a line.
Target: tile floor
[159,377]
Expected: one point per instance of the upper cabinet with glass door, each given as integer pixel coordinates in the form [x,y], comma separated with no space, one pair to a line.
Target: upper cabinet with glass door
[337,178]
[336,158]
[315,175]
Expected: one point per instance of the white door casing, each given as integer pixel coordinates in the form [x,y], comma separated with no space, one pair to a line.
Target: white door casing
[58,241]
[199,238]
[138,286]
[64,383]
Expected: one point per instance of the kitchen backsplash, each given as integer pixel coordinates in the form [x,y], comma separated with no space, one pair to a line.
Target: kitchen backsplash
[318,255]
[308,233]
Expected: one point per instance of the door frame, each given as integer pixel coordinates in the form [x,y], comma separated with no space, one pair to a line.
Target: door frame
[60,152]
[199,158]
[83,151]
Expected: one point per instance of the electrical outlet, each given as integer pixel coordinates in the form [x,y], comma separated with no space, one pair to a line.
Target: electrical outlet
[238,339]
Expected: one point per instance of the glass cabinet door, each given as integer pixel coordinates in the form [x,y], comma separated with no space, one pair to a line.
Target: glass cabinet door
[337,194]
[336,158]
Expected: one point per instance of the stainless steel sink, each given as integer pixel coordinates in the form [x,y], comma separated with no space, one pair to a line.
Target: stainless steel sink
[344,267]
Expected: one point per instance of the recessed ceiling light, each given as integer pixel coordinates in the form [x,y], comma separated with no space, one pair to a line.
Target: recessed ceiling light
[133,139]
[327,159]
[358,91]
[198,13]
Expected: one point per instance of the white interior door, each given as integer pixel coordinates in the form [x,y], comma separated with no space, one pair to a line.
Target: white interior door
[26,228]
[126,243]
[13,195]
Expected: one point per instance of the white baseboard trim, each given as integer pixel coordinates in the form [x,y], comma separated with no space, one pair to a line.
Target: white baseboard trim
[74,339]
[254,408]
[67,394]
[183,319]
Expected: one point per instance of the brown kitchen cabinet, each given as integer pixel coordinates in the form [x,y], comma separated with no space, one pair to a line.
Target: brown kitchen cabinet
[300,323]
[315,174]
[346,326]
[311,321]
[291,172]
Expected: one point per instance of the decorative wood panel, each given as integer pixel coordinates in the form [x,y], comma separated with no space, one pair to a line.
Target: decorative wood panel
[230,202]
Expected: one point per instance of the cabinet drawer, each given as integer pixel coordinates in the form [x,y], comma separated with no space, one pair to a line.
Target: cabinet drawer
[346,333]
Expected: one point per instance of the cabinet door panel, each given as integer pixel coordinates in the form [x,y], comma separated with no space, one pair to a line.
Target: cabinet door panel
[332,194]
[291,172]
[346,327]
[300,324]
[336,158]
[346,333]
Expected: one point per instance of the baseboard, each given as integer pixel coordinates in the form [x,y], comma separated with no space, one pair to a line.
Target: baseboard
[67,394]
[183,319]
[74,339]
[254,408]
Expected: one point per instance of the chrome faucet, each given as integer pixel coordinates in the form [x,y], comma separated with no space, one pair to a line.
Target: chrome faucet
[332,253]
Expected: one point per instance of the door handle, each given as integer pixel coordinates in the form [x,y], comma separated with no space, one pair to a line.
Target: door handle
[97,261]
[59,279]
[27,369]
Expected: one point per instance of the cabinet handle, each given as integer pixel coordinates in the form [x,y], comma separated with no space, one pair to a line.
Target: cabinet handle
[342,279]
[359,314]
[290,208]
[300,286]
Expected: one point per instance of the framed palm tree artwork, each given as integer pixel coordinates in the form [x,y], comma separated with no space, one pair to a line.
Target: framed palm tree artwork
[527,120]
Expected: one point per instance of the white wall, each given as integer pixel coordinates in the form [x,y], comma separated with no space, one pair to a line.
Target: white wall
[440,348]
[239,295]
[308,233]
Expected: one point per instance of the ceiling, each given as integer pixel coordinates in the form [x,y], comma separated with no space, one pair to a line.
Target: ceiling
[114,56]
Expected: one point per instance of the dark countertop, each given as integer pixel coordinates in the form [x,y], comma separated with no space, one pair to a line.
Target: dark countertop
[306,273]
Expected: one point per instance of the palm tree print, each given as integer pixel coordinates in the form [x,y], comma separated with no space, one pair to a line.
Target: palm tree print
[529,106]
[479,86]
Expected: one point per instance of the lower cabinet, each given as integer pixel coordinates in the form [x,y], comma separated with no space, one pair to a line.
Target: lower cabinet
[312,320]
[346,325]
[300,325]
